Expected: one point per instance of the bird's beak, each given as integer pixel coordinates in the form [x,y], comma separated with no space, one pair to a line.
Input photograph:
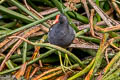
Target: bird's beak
[57,19]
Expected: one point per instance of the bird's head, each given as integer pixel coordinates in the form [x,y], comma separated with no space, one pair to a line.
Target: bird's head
[60,18]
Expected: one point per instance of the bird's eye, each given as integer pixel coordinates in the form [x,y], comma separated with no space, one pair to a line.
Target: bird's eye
[50,29]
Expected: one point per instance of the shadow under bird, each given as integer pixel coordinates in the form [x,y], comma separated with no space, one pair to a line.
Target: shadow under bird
[61,33]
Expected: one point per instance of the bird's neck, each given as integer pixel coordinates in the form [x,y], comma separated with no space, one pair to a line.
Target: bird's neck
[64,23]
[64,27]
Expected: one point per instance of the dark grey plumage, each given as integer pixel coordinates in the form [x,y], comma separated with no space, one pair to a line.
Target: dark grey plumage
[61,34]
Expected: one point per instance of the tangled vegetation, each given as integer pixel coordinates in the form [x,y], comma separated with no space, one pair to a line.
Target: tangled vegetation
[26,54]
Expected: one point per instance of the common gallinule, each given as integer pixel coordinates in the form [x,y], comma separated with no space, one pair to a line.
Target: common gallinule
[61,33]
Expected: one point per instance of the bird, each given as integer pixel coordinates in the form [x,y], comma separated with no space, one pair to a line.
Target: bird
[61,33]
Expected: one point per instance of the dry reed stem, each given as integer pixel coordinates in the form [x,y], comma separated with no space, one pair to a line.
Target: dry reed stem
[17,45]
